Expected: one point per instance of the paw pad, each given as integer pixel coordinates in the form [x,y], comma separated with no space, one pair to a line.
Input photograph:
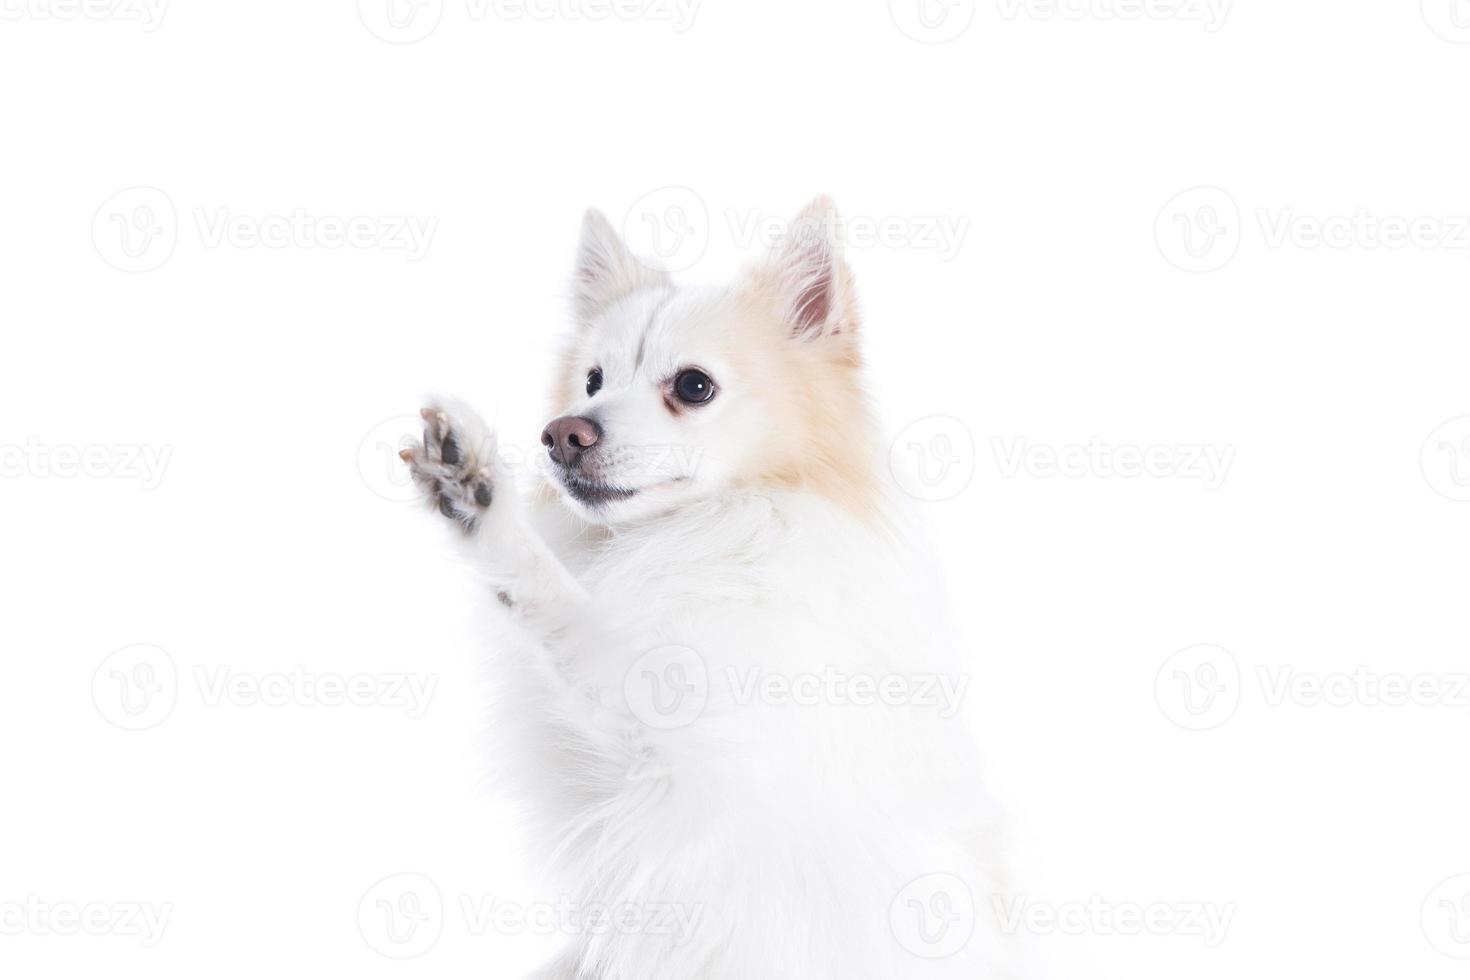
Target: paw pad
[453,466]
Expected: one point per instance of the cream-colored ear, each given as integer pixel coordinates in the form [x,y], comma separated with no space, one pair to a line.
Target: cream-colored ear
[814,281]
[607,270]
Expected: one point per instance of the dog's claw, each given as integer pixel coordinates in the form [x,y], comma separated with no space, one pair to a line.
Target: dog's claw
[453,468]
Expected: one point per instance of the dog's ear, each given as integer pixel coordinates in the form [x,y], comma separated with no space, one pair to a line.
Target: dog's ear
[607,270]
[813,282]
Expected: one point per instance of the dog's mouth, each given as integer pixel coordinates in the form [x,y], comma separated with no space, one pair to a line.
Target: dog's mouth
[593,493]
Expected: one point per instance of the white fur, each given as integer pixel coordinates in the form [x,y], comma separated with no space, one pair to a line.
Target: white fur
[784,833]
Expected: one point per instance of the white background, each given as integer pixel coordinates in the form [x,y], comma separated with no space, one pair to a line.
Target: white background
[276,377]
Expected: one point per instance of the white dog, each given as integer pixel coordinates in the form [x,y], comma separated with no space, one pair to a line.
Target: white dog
[730,698]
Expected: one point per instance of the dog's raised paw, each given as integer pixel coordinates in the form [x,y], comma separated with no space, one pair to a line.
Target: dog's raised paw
[454,466]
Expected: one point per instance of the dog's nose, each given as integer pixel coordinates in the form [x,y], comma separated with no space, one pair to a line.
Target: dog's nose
[568,437]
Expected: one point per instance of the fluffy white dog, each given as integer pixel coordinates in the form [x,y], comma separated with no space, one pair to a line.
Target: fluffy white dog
[730,696]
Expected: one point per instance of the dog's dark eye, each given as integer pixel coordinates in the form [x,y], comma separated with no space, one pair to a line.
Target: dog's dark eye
[694,387]
[594,381]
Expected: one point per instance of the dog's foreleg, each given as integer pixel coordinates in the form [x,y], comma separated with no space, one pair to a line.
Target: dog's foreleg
[462,477]
[527,577]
